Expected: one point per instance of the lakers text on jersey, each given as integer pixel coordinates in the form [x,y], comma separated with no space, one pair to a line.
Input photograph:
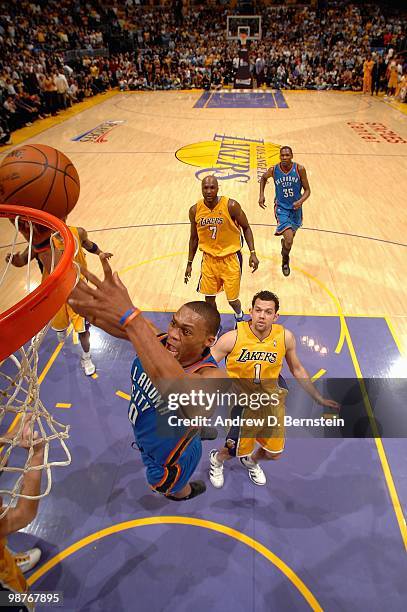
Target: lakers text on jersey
[218,234]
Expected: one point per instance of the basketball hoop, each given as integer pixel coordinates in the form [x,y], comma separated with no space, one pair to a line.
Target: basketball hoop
[23,320]
[29,319]
[243,38]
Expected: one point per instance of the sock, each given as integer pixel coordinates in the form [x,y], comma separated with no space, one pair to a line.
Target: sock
[250,460]
[85,355]
[240,315]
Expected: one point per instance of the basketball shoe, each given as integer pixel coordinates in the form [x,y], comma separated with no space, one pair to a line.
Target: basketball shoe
[216,470]
[26,560]
[255,471]
[197,488]
[239,319]
[88,366]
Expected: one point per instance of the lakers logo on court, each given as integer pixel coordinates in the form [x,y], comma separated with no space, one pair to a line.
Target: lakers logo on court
[230,157]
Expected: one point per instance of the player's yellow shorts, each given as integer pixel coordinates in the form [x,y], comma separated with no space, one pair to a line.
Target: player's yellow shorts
[65,316]
[221,273]
[267,430]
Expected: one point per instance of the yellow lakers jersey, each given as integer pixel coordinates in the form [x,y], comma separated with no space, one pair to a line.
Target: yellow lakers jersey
[80,257]
[11,577]
[218,234]
[257,360]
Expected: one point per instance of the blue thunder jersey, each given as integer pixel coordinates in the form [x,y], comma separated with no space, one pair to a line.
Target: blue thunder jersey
[288,186]
[146,400]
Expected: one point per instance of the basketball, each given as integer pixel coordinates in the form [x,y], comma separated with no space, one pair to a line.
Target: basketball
[39,176]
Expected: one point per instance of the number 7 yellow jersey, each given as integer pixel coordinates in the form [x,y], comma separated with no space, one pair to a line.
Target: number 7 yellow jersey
[218,234]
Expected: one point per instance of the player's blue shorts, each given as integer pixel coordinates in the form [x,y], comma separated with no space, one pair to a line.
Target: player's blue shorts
[170,476]
[287,218]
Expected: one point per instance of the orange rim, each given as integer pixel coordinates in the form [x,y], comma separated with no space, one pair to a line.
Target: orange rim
[22,321]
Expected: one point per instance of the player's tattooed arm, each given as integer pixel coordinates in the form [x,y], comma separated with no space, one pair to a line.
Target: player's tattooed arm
[305,184]
[193,243]
[263,181]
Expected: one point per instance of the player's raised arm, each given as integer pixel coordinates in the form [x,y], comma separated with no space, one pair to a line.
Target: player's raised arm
[193,243]
[301,374]
[263,181]
[305,184]
[238,215]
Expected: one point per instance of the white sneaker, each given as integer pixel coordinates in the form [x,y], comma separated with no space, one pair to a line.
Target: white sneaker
[61,335]
[255,470]
[216,470]
[28,559]
[88,366]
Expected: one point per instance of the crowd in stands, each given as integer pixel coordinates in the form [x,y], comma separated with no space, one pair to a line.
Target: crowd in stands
[54,53]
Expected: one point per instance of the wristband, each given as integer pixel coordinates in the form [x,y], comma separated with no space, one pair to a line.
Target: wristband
[133,315]
[94,248]
[126,315]
[190,260]
[252,251]
[43,246]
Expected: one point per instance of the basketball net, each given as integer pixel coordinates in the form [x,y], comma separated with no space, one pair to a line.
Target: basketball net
[243,39]
[24,421]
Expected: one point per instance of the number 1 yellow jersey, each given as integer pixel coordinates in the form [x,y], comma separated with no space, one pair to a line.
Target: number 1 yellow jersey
[257,360]
[218,234]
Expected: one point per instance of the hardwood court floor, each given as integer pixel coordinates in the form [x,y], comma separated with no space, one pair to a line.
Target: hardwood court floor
[330,503]
[135,194]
